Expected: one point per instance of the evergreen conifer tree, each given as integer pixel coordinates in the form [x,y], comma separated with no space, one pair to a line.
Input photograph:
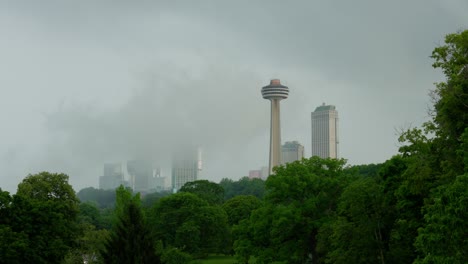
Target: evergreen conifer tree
[130,241]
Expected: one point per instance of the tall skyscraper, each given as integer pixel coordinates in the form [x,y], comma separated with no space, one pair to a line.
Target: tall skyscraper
[325,132]
[157,182]
[140,172]
[113,176]
[275,92]
[145,177]
[291,151]
[186,167]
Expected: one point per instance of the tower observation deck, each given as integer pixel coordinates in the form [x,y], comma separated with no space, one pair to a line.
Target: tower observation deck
[275,90]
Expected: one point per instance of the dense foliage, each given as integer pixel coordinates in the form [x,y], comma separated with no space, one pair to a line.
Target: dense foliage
[130,240]
[38,223]
[206,190]
[244,186]
[189,223]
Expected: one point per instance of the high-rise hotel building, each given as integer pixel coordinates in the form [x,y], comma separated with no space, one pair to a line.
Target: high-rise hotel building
[186,167]
[113,176]
[291,151]
[325,132]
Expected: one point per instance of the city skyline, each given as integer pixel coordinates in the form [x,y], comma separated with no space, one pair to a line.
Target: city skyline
[84,83]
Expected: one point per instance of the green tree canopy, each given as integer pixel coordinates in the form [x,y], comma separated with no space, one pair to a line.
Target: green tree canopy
[433,155]
[443,239]
[42,220]
[360,234]
[189,223]
[148,200]
[243,186]
[211,192]
[450,100]
[301,196]
[239,207]
[103,198]
[130,240]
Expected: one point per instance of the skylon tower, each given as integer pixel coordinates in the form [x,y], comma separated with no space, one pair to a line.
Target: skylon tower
[275,92]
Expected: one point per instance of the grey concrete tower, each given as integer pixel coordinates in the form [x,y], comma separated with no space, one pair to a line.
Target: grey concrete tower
[275,92]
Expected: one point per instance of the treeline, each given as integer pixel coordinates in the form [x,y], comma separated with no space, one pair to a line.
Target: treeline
[413,208]
[105,199]
[45,222]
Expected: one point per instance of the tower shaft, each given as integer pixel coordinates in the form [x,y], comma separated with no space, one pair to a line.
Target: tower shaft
[275,135]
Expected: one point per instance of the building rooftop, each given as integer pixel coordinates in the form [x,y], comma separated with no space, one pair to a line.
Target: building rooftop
[291,143]
[324,107]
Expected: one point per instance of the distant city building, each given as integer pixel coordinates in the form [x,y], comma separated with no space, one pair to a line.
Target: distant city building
[265,172]
[140,172]
[186,167]
[262,173]
[291,151]
[325,132]
[157,183]
[257,174]
[113,176]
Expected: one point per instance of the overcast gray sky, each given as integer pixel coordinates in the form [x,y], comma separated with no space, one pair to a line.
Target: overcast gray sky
[88,82]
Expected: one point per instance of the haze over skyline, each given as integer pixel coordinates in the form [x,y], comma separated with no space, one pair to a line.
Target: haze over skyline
[83,83]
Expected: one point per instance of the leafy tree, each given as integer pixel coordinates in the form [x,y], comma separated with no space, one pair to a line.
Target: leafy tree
[89,246]
[42,225]
[450,118]
[151,198]
[423,171]
[103,198]
[90,214]
[451,96]
[93,235]
[301,196]
[190,224]
[443,239]
[397,234]
[5,204]
[240,207]
[130,240]
[12,244]
[211,192]
[174,212]
[365,170]
[434,154]
[243,241]
[214,230]
[243,186]
[359,233]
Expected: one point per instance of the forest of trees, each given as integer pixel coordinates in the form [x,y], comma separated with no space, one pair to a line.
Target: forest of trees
[413,208]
